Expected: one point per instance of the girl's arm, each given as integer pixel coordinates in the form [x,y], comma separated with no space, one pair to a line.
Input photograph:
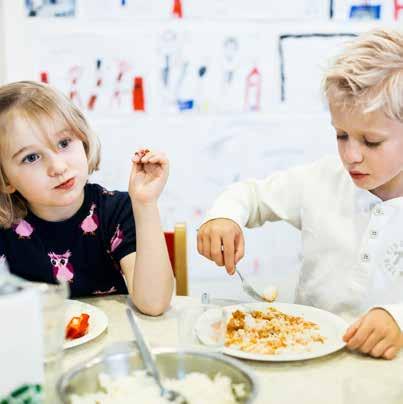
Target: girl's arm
[148,272]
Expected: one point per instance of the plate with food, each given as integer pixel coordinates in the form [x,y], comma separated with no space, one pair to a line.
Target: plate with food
[84,322]
[274,331]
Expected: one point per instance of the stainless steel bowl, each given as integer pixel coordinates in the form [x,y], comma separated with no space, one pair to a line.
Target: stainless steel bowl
[121,360]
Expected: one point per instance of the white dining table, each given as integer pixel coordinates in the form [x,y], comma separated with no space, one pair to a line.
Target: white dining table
[343,377]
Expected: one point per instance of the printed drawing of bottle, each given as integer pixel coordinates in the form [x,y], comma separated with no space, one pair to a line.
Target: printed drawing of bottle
[44,77]
[116,100]
[74,74]
[229,97]
[201,98]
[138,94]
[177,9]
[252,90]
[98,83]
[184,103]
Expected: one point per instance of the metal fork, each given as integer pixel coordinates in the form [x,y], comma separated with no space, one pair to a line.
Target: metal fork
[149,363]
[248,289]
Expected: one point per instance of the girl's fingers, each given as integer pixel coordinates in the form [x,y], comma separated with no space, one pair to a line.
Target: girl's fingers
[136,166]
[139,154]
[154,158]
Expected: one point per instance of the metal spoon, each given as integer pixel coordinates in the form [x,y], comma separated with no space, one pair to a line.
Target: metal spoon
[148,359]
[248,289]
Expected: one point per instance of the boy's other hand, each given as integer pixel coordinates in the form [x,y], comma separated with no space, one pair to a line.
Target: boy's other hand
[221,240]
[376,334]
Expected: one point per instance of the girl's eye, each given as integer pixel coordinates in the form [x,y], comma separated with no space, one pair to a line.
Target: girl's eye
[342,136]
[31,158]
[64,143]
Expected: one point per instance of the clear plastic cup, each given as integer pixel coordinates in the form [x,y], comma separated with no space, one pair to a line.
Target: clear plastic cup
[202,327]
[53,299]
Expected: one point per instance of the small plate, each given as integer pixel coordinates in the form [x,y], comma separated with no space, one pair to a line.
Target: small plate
[332,327]
[98,321]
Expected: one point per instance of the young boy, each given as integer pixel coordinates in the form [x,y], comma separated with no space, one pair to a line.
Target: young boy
[349,209]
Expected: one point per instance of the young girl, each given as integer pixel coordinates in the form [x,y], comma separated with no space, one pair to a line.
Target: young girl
[55,226]
[349,209]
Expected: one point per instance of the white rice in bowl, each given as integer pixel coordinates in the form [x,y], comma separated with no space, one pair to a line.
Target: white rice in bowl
[197,388]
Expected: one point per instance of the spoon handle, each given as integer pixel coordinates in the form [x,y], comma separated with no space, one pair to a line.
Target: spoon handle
[144,349]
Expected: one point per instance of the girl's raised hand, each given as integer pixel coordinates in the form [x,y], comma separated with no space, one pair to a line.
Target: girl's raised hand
[148,176]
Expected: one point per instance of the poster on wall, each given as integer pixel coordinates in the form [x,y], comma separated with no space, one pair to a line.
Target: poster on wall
[368,10]
[300,87]
[112,9]
[160,69]
[222,9]
[50,8]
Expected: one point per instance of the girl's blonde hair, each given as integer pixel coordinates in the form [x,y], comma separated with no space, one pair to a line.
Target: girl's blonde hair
[39,104]
[368,74]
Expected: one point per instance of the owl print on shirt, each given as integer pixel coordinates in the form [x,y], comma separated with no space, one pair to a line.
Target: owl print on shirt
[116,239]
[90,224]
[63,271]
[23,229]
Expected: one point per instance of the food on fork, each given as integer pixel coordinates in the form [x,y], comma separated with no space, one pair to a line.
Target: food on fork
[77,326]
[270,332]
[270,293]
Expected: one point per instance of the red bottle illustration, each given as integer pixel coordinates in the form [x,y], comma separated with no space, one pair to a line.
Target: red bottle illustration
[252,90]
[98,83]
[138,94]
[177,9]
[398,7]
[44,77]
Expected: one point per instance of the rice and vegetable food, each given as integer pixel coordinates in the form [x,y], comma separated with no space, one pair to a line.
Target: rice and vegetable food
[270,332]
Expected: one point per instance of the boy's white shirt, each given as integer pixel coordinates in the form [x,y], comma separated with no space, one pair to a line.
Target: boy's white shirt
[352,241]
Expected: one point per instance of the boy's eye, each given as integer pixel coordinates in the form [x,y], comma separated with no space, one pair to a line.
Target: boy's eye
[372,144]
[64,143]
[31,158]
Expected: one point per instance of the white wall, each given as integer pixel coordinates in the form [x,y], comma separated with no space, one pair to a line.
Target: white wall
[207,150]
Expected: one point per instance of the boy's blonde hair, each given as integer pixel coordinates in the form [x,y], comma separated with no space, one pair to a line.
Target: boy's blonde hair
[39,104]
[368,74]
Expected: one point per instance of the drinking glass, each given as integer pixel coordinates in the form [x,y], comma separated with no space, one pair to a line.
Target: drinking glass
[53,299]
[202,327]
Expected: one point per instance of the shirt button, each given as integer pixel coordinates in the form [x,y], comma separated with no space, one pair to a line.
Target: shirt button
[374,234]
[378,211]
[365,257]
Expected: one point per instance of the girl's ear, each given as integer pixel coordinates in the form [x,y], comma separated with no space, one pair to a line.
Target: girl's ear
[8,189]
[5,187]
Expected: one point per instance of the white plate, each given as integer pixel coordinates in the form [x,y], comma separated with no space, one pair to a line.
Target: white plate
[98,321]
[332,327]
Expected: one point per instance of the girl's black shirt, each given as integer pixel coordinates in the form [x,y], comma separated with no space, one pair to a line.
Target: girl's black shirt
[84,250]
